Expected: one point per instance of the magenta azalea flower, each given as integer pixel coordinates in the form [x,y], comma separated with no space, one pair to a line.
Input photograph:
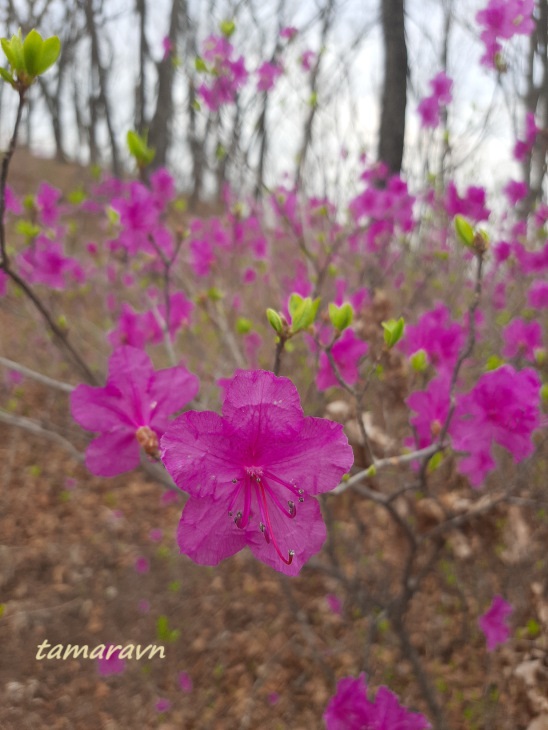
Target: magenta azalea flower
[135,402]
[350,709]
[522,338]
[268,74]
[537,296]
[503,407]
[431,406]
[436,334]
[493,623]
[111,663]
[347,353]
[251,474]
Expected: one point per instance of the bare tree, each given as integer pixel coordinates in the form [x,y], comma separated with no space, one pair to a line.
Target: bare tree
[394,95]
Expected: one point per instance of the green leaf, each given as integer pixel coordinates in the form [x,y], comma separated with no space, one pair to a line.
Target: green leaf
[75,197]
[6,47]
[7,76]
[464,230]
[493,362]
[393,331]
[27,229]
[304,314]
[295,300]
[275,320]
[139,149]
[32,51]
[227,28]
[243,326]
[51,49]
[16,45]
[200,65]
[419,361]
[341,317]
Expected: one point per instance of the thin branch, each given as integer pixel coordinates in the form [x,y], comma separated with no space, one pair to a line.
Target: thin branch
[46,380]
[34,427]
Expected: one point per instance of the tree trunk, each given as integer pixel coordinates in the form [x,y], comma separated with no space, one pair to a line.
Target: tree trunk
[394,96]
[160,126]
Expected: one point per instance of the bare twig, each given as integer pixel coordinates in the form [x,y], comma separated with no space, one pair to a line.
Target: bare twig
[33,375]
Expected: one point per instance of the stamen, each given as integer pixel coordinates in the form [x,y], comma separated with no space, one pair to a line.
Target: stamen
[288,560]
[234,498]
[244,519]
[291,513]
[287,485]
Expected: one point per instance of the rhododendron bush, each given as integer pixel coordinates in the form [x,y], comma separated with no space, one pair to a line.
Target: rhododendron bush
[353,396]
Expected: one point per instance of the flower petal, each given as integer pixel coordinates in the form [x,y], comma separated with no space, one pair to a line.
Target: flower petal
[261,405]
[207,534]
[315,460]
[199,453]
[112,454]
[130,371]
[171,390]
[304,535]
[97,409]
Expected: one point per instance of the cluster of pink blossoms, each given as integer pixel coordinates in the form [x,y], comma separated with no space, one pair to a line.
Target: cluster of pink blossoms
[503,407]
[141,328]
[227,74]
[252,474]
[431,106]
[502,20]
[350,709]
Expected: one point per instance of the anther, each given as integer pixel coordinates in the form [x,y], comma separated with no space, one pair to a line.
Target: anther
[291,506]
[301,499]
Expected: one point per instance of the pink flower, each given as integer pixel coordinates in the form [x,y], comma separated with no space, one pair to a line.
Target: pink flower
[268,74]
[515,191]
[47,199]
[180,311]
[163,705]
[142,565]
[493,622]
[537,295]
[430,107]
[441,86]
[350,709]
[308,59]
[240,469]
[503,407]
[436,334]
[347,353]
[522,338]
[111,663]
[136,402]
[273,698]
[185,682]
[45,263]
[431,406]
[429,112]
[503,19]
[167,47]
[334,603]
[524,146]
[131,329]
[12,202]
[288,32]
[227,74]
